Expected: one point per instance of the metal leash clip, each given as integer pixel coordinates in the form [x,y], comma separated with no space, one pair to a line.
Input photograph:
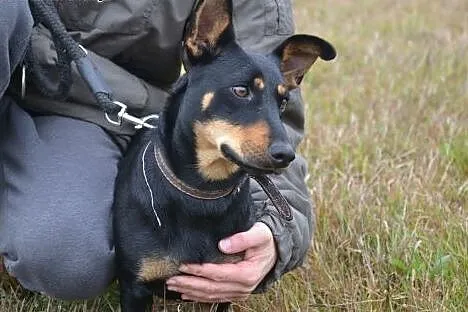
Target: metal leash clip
[123,115]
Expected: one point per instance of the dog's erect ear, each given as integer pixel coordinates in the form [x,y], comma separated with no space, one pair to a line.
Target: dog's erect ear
[209,29]
[298,53]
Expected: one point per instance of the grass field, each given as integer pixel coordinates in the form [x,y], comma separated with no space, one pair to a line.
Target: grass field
[387,147]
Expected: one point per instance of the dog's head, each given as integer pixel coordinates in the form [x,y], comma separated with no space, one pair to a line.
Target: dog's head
[234,99]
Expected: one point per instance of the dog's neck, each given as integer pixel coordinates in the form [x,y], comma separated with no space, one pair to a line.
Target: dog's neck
[180,149]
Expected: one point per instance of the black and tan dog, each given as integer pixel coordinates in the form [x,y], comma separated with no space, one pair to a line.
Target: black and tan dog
[183,186]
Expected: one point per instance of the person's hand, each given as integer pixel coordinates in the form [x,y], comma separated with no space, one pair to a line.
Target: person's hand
[228,282]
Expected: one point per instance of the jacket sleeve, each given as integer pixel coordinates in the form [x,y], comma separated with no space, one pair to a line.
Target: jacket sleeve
[261,26]
[15,24]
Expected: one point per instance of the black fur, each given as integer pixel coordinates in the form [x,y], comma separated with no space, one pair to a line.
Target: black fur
[191,228]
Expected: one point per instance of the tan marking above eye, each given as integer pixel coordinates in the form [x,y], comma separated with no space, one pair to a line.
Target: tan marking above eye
[152,269]
[245,141]
[206,100]
[259,83]
[282,90]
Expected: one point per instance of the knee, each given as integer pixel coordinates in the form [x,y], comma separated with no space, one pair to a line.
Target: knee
[64,274]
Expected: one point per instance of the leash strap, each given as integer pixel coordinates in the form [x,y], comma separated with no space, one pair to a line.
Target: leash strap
[68,50]
[93,78]
[275,196]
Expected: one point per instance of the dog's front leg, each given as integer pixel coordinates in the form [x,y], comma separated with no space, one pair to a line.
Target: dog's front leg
[135,297]
[224,307]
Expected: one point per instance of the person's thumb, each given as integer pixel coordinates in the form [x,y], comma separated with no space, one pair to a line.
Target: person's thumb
[258,235]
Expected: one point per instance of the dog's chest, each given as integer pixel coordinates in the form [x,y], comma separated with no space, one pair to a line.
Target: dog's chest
[182,242]
[191,230]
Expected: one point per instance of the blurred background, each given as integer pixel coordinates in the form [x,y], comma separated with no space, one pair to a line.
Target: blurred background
[387,147]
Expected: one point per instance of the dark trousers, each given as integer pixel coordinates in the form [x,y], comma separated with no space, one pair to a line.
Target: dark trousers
[56,186]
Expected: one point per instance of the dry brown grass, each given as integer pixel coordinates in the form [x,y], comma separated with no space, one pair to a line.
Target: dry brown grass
[387,147]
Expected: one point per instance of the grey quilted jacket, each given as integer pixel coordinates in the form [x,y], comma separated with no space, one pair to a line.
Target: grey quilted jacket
[136,46]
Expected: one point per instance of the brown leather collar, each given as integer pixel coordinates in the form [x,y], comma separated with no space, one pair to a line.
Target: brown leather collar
[160,156]
[267,185]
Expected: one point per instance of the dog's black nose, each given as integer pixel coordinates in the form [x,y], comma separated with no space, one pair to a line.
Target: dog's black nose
[281,154]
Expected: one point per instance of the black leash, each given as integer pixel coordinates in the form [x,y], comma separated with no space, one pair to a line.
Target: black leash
[275,196]
[68,50]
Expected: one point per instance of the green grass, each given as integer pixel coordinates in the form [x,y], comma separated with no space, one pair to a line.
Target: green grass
[387,147]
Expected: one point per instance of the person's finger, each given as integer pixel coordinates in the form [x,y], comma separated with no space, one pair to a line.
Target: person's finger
[199,285]
[243,272]
[215,299]
[258,235]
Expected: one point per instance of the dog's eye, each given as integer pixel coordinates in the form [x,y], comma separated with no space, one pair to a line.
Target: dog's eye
[241,91]
[284,103]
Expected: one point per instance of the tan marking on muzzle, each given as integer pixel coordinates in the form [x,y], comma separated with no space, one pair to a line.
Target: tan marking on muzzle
[282,89]
[259,83]
[248,142]
[255,140]
[211,163]
[206,100]
[152,269]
